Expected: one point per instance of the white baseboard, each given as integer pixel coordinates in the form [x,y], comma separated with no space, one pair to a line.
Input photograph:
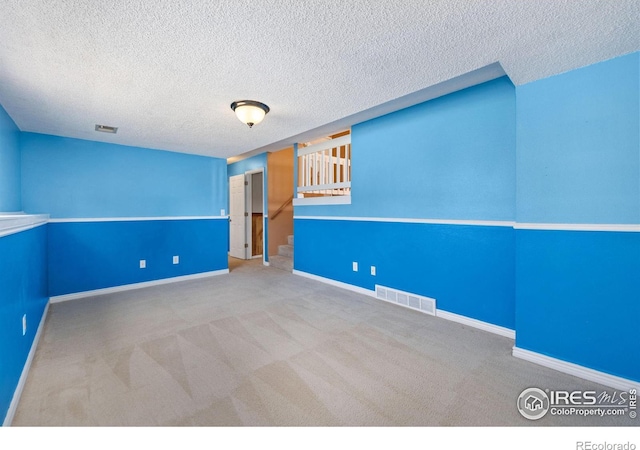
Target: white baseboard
[485,326]
[129,287]
[339,284]
[576,370]
[506,332]
[13,407]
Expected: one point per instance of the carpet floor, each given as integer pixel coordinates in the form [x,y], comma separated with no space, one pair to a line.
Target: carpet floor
[263,347]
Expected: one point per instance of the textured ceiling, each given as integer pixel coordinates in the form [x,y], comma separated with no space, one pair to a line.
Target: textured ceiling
[166,71]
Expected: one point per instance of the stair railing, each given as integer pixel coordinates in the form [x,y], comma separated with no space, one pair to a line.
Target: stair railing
[282,207]
[324,169]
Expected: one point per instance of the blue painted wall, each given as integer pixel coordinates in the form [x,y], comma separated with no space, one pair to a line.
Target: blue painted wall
[95,255]
[560,150]
[578,293]
[10,200]
[245,165]
[578,298]
[68,178]
[449,158]
[468,269]
[578,145]
[23,290]
[73,178]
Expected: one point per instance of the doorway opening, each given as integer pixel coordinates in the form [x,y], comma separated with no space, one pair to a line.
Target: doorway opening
[257,214]
[246,215]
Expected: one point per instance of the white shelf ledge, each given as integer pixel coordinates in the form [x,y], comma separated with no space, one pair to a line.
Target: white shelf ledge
[335,200]
[15,223]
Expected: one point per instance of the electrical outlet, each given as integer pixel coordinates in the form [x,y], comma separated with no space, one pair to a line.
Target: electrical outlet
[143,263]
[373,271]
[176,259]
[223,212]
[355,266]
[24,324]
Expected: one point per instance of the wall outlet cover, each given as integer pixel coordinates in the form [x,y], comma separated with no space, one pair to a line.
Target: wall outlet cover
[143,263]
[355,266]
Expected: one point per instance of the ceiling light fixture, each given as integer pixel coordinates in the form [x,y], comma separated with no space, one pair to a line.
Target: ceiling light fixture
[250,111]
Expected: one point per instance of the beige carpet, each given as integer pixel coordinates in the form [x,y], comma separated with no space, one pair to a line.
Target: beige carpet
[263,347]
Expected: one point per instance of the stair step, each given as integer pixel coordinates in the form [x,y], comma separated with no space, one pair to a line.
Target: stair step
[281,262]
[290,240]
[285,250]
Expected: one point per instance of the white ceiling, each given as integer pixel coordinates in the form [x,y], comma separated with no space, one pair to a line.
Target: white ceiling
[166,71]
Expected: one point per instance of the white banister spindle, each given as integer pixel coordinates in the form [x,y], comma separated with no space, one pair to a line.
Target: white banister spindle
[322,167]
[312,162]
[346,163]
[301,170]
[327,166]
[343,174]
[306,170]
[332,165]
[348,149]
[339,163]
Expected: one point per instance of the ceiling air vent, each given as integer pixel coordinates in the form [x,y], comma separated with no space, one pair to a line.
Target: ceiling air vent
[106,129]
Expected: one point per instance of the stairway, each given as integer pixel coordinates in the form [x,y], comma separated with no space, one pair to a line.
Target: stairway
[284,259]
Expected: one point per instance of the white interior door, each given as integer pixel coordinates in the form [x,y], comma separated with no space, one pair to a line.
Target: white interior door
[237,225]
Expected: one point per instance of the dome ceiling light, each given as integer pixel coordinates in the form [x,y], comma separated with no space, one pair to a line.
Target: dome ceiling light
[250,111]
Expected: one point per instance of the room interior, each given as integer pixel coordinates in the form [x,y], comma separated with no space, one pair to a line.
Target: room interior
[494,180]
